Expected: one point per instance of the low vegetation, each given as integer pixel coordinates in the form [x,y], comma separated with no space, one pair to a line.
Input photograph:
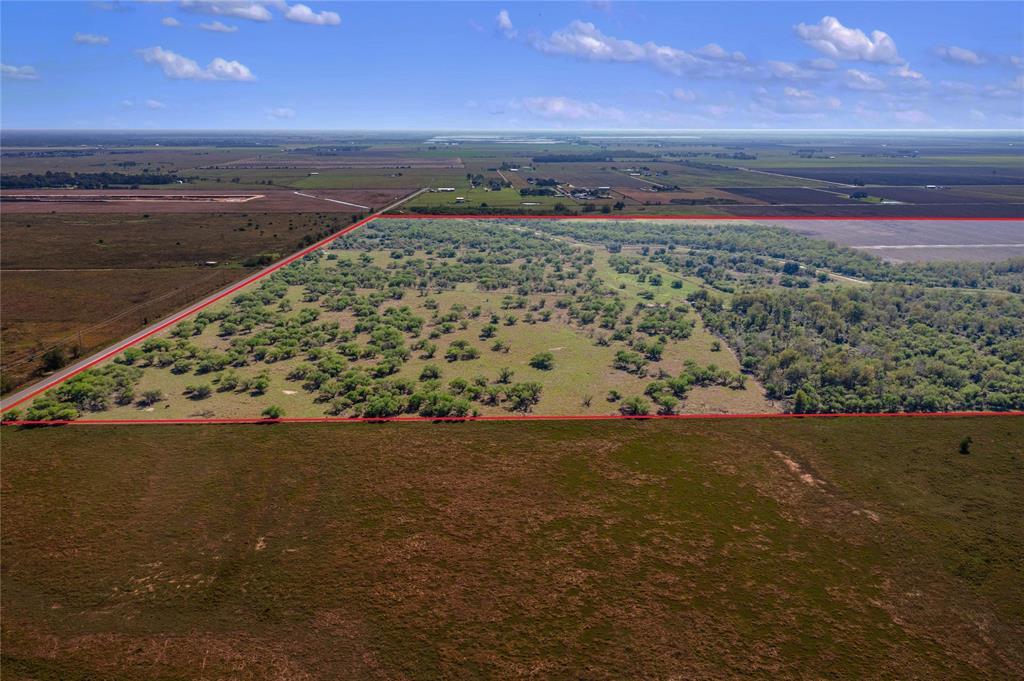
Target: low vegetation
[854,548]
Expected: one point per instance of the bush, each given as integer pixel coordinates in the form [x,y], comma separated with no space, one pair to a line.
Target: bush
[273,412]
[544,361]
[635,406]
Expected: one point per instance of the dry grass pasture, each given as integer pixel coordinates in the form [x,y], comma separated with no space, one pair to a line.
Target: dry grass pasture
[801,548]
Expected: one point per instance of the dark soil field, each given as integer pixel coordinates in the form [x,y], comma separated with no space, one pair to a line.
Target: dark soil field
[906,175]
[799,548]
[792,195]
[182,199]
[951,195]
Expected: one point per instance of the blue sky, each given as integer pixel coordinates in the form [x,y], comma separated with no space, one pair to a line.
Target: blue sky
[512,65]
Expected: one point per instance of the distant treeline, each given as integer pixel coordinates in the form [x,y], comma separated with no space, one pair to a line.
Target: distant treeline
[51,179]
[596,157]
[784,244]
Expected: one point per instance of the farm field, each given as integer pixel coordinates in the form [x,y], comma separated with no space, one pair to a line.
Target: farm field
[185,200]
[852,547]
[905,240]
[780,174]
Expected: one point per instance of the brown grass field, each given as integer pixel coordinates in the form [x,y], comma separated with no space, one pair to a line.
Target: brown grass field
[68,273]
[182,199]
[799,548]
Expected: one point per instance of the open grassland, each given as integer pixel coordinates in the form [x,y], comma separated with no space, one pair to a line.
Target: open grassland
[838,548]
[446,318]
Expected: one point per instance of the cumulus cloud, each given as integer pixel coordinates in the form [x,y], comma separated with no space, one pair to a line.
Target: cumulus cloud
[564,108]
[19,72]
[304,15]
[836,41]
[170,22]
[904,71]
[253,11]
[281,113]
[960,55]
[859,80]
[583,40]
[155,104]
[182,68]
[218,27]
[785,70]
[90,39]
[504,24]
[716,51]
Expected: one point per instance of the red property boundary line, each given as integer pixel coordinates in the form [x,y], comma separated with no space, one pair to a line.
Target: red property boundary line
[323,242]
[525,417]
[440,216]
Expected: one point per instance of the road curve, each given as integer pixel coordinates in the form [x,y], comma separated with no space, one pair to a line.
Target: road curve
[53,379]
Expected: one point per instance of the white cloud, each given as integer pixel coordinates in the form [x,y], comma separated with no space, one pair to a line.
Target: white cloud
[717,52]
[281,113]
[977,115]
[834,40]
[19,72]
[127,103]
[960,55]
[584,40]
[795,102]
[218,27]
[904,71]
[912,117]
[822,64]
[717,110]
[155,105]
[566,109]
[858,80]
[90,39]
[304,15]
[684,95]
[253,11]
[785,70]
[182,68]
[170,22]
[1017,83]
[504,23]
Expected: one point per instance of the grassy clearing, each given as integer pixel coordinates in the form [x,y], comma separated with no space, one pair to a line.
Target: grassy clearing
[447,318]
[845,548]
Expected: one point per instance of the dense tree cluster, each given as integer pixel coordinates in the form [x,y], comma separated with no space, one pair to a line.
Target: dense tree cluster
[878,349]
[104,180]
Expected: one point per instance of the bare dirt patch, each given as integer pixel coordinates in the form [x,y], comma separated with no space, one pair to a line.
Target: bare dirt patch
[189,201]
